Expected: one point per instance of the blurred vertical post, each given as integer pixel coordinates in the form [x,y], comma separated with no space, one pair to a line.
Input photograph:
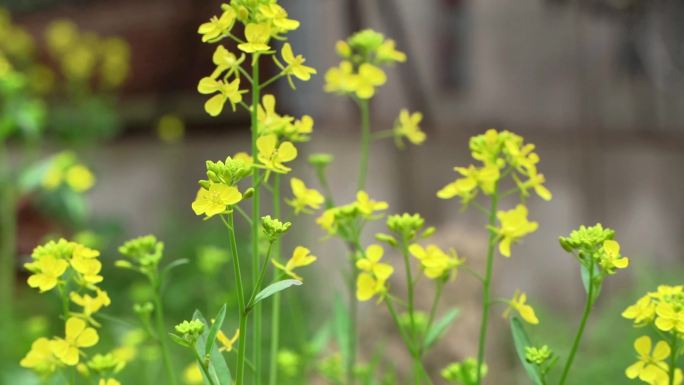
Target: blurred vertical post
[8,230]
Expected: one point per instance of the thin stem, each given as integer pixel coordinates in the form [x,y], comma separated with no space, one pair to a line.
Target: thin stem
[580,331]
[409,287]
[673,358]
[262,273]
[327,192]
[204,367]
[384,134]
[161,331]
[275,309]
[256,96]
[353,315]
[486,283]
[271,80]
[240,368]
[365,143]
[433,313]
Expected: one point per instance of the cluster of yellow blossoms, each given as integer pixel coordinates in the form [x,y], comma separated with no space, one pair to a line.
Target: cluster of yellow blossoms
[336,219]
[75,271]
[263,21]
[66,170]
[662,309]
[85,55]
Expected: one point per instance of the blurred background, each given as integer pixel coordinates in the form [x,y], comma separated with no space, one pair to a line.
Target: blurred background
[597,85]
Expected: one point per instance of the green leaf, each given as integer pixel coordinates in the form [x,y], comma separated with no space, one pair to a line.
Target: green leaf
[438,329]
[215,327]
[32,177]
[585,281]
[521,341]
[275,288]
[179,340]
[170,267]
[217,368]
[319,341]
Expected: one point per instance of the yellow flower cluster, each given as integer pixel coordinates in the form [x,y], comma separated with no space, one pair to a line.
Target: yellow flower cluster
[664,308]
[360,72]
[336,218]
[407,126]
[374,274]
[75,270]
[66,170]
[262,22]
[84,55]
[513,226]
[435,262]
[501,154]
[304,199]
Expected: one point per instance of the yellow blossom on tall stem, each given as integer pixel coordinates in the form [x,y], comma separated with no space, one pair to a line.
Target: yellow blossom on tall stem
[77,335]
[301,256]
[519,304]
[513,226]
[304,198]
[46,272]
[272,155]
[215,200]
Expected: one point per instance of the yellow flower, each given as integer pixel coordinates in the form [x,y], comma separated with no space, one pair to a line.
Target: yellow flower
[641,312]
[514,225]
[518,304]
[369,78]
[341,79]
[269,120]
[192,375]
[273,157]
[669,317]
[407,126]
[485,178]
[277,15]
[46,272]
[300,257]
[374,274]
[225,61]
[368,206]
[84,261]
[304,197]
[217,26]
[40,358]
[216,199]
[227,343]
[388,53]
[77,335]
[79,178]
[91,304]
[226,92]
[60,35]
[343,49]
[436,263]
[257,36]
[295,65]
[610,258]
[327,221]
[651,367]
[244,158]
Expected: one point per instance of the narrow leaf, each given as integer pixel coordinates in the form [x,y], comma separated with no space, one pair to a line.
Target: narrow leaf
[217,369]
[521,341]
[341,318]
[215,327]
[275,288]
[441,326]
[586,283]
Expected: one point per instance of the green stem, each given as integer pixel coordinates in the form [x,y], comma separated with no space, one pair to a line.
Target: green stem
[580,331]
[673,358]
[161,332]
[409,287]
[486,283]
[365,143]
[353,315]
[256,96]
[242,340]
[8,236]
[275,309]
[262,273]
[205,368]
[433,313]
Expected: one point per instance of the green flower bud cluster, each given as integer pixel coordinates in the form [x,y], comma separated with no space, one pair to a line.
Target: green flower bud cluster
[105,364]
[586,240]
[143,253]
[407,226]
[189,330]
[274,228]
[369,46]
[538,356]
[229,172]
[288,362]
[464,372]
